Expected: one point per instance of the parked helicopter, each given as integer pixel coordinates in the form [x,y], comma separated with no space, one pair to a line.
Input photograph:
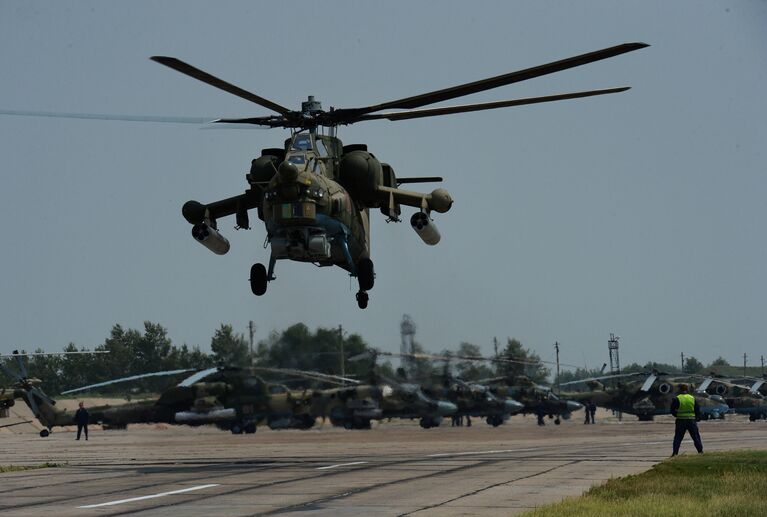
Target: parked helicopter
[355,404]
[642,394]
[471,399]
[314,194]
[28,388]
[531,397]
[535,397]
[744,400]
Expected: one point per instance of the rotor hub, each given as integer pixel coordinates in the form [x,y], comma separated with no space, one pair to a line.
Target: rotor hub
[311,106]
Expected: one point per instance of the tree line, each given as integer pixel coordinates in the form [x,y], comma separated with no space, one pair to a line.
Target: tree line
[692,366]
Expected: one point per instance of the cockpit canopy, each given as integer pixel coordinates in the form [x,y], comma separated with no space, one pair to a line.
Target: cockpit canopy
[306,151]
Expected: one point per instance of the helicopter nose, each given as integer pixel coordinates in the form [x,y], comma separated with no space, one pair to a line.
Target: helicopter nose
[573,405]
[512,406]
[288,172]
[446,408]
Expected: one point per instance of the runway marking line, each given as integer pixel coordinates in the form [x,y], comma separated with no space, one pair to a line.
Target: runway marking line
[143,497]
[341,465]
[444,454]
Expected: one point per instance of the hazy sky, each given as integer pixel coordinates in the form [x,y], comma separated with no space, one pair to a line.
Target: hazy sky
[640,213]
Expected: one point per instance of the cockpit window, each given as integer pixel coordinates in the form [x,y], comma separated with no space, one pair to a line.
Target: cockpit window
[321,150]
[302,143]
[297,159]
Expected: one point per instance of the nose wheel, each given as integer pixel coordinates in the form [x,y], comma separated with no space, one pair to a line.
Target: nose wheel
[258,279]
[366,277]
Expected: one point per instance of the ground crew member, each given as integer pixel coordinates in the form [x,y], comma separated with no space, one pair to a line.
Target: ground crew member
[540,411]
[592,410]
[687,412]
[81,419]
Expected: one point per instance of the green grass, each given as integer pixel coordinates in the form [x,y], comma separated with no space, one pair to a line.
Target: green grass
[713,484]
[18,468]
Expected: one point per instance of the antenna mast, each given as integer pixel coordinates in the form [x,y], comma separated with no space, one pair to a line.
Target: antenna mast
[612,346]
[407,332]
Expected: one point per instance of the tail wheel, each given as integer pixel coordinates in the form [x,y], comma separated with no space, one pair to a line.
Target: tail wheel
[44,433]
[258,279]
[362,300]
[365,274]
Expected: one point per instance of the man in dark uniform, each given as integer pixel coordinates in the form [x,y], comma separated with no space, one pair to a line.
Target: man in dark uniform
[687,412]
[540,411]
[81,419]
[592,410]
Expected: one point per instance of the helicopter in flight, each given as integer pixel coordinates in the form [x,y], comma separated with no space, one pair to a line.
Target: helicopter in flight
[314,194]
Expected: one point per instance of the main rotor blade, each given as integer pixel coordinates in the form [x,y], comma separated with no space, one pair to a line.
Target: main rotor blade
[111,116]
[465,108]
[126,379]
[187,69]
[269,121]
[33,405]
[22,367]
[196,377]
[42,395]
[10,373]
[487,84]
[606,377]
[16,423]
[307,374]
[649,382]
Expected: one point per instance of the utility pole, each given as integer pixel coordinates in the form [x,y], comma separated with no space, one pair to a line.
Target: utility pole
[251,333]
[744,364]
[556,347]
[682,355]
[341,345]
[762,366]
[498,369]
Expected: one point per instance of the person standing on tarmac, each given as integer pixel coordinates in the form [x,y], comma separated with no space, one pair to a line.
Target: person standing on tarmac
[687,412]
[540,411]
[81,419]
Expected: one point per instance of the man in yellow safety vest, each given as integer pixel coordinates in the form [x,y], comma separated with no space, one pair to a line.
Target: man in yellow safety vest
[685,408]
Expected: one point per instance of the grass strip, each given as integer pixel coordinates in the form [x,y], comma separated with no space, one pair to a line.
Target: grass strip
[732,483]
[19,468]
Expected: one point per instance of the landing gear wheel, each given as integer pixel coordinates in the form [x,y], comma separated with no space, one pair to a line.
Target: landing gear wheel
[361,423]
[250,428]
[495,420]
[365,274]
[557,421]
[362,299]
[258,279]
[236,429]
[426,423]
[44,433]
